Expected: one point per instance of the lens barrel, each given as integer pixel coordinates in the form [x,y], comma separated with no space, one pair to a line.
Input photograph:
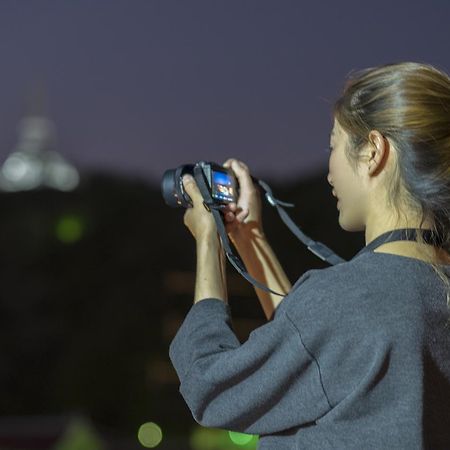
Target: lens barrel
[172,187]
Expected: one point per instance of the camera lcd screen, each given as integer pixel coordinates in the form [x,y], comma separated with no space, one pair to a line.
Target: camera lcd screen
[222,187]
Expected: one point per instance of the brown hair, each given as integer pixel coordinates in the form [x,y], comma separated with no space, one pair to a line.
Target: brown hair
[409,104]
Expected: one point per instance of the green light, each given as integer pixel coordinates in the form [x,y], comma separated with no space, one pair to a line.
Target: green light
[217,439]
[205,438]
[69,229]
[242,439]
[79,435]
[150,435]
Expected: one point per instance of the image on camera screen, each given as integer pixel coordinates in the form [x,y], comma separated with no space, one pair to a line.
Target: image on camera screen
[222,187]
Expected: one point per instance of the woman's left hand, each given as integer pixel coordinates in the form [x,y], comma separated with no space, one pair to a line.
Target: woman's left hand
[199,221]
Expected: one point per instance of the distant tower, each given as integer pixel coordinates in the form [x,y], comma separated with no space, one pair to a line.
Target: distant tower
[34,162]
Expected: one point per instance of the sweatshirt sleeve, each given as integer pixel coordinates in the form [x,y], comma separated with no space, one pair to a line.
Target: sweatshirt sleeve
[266,385]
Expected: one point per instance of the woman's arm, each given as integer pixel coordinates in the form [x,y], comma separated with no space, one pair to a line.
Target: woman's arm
[244,226]
[210,279]
[263,265]
[268,384]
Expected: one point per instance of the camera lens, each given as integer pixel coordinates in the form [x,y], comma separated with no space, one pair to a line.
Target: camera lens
[168,188]
[172,187]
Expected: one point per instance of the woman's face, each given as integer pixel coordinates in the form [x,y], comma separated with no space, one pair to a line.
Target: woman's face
[347,184]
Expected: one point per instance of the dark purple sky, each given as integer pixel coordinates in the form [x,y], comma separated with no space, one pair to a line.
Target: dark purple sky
[137,86]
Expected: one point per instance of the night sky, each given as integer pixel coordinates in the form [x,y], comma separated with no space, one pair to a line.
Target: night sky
[138,86]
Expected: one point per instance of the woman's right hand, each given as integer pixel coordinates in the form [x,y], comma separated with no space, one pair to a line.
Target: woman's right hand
[245,215]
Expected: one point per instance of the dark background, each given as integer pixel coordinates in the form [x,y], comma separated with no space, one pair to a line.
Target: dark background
[135,87]
[85,325]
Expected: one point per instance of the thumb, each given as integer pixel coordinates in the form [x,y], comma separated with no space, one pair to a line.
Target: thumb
[190,186]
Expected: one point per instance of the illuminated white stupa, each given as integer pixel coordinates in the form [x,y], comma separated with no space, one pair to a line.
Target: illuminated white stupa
[34,162]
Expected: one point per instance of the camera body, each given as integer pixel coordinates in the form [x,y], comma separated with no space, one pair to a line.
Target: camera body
[221,183]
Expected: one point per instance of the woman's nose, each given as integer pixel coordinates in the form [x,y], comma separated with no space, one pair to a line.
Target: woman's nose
[329,179]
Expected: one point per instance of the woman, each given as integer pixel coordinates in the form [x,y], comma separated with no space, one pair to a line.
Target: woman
[357,355]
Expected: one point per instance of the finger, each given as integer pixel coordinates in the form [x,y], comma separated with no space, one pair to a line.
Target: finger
[242,215]
[242,174]
[190,186]
[228,162]
[229,216]
[229,212]
[230,207]
[237,165]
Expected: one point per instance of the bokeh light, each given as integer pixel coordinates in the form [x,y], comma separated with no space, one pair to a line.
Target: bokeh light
[150,435]
[216,439]
[206,439]
[240,438]
[69,228]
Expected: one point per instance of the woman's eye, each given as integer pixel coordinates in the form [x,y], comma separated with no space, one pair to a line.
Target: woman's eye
[329,149]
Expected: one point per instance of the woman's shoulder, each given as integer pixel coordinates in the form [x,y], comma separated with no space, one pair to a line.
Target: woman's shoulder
[366,281]
[370,269]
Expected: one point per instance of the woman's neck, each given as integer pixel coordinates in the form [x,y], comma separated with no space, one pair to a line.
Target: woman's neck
[382,223]
[412,249]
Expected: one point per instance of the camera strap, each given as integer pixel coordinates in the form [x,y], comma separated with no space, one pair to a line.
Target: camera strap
[321,250]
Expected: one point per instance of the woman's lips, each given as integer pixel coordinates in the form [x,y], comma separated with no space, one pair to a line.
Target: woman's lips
[334,195]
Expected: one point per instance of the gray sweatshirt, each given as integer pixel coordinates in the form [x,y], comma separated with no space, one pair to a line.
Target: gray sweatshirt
[357,356]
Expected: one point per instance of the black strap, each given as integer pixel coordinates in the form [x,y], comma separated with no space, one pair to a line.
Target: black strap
[319,249]
[401,234]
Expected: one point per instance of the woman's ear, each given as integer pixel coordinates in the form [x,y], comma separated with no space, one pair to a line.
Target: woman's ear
[378,152]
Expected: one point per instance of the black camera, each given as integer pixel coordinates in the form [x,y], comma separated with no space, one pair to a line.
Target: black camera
[221,183]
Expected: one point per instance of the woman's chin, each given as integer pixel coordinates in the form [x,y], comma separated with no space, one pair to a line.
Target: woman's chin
[348,224]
